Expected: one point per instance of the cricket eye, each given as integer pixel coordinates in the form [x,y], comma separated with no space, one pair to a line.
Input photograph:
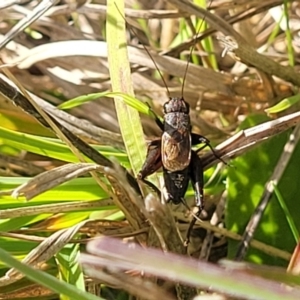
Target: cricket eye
[166,108]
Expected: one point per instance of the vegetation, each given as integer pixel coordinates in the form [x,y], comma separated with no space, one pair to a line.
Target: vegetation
[76,83]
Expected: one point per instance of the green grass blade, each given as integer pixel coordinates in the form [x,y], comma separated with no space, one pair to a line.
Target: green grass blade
[129,100]
[45,279]
[69,269]
[275,31]
[119,68]
[283,104]
[286,213]
[51,147]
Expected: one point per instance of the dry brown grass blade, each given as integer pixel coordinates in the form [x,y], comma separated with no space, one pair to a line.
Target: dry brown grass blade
[170,239]
[241,48]
[230,94]
[31,107]
[43,252]
[164,225]
[29,290]
[74,141]
[117,255]
[37,12]
[19,164]
[132,13]
[54,208]
[50,179]
[243,140]
[254,243]
[137,285]
[77,126]
[126,198]
[209,79]
[94,74]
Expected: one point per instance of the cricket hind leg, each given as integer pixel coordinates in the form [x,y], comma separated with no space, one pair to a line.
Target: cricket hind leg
[152,163]
[197,139]
[197,179]
[153,159]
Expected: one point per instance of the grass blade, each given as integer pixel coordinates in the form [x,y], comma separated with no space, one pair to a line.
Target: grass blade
[119,68]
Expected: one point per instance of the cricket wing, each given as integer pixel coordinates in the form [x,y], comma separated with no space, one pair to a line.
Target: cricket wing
[176,151]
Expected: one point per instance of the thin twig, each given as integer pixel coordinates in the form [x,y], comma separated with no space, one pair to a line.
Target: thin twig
[242,49]
[268,192]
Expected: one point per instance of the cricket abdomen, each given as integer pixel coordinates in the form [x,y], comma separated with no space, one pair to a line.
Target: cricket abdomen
[176,184]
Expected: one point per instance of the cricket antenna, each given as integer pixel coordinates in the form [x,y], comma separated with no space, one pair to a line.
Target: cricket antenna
[158,70]
[191,51]
[148,52]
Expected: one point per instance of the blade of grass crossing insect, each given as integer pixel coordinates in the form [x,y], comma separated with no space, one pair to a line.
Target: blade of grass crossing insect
[119,67]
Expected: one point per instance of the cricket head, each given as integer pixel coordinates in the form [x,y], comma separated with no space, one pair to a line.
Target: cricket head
[176,105]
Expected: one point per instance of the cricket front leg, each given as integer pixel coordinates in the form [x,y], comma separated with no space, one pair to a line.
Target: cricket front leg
[197,139]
